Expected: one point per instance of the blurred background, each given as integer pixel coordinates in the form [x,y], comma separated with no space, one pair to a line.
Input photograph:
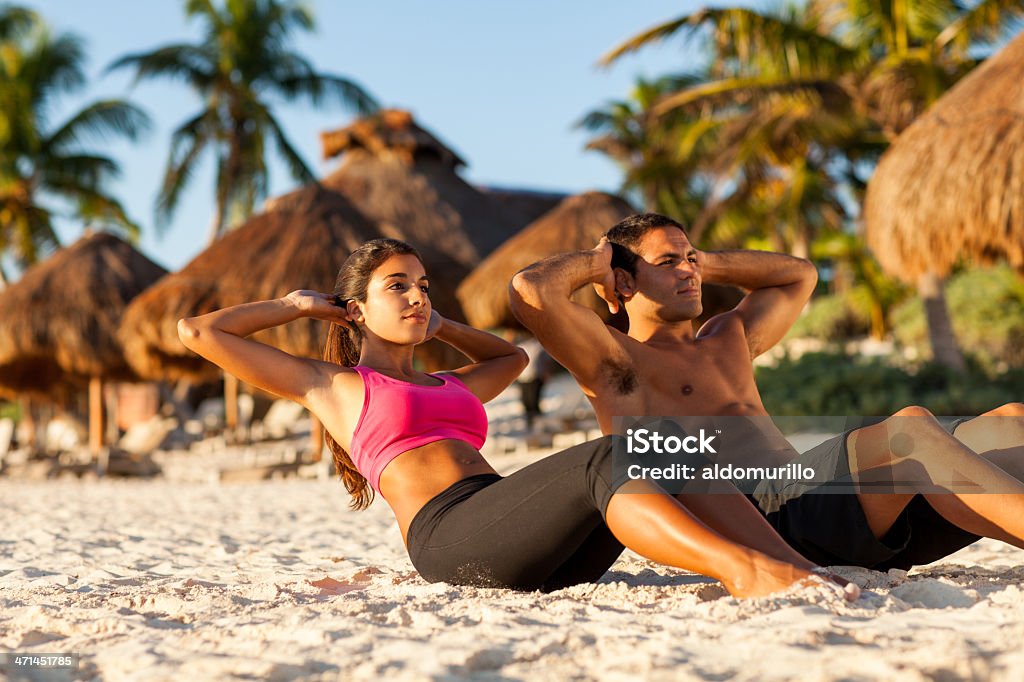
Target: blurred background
[166,158]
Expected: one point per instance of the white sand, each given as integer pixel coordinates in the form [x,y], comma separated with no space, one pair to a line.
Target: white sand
[174,581]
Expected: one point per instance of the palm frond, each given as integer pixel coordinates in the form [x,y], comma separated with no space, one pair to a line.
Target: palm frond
[196,65]
[101,121]
[16,22]
[187,143]
[296,165]
[748,41]
[320,87]
[986,21]
[648,37]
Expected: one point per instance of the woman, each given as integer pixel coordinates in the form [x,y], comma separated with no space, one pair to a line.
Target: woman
[415,439]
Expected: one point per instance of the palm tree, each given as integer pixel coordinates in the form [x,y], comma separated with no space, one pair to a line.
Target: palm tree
[40,160]
[242,62]
[656,154]
[832,79]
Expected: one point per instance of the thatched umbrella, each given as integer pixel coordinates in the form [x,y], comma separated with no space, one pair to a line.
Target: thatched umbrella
[299,244]
[60,321]
[403,177]
[575,224]
[522,206]
[952,187]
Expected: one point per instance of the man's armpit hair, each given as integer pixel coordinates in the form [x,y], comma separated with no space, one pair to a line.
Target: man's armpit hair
[621,377]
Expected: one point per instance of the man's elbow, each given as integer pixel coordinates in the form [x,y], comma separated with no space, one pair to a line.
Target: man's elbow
[808,274]
[525,295]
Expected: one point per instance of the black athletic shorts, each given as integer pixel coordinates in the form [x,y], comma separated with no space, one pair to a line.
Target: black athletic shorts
[830,528]
[540,528]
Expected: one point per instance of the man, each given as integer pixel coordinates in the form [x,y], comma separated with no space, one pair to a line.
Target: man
[661,366]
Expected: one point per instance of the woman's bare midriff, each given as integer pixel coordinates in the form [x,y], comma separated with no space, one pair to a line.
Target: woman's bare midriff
[410,480]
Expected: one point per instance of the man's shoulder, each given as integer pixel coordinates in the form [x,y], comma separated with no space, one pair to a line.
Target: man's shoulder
[729,322]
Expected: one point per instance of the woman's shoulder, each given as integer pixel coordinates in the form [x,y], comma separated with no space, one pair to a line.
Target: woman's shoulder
[338,376]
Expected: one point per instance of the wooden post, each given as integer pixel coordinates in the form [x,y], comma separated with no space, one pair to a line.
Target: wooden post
[110,401]
[231,401]
[95,415]
[30,424]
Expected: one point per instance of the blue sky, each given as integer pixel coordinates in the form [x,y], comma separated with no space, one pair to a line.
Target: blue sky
[501,82]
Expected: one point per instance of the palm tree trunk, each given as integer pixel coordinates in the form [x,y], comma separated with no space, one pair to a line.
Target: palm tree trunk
[878,326]
[940,329]
[214,233]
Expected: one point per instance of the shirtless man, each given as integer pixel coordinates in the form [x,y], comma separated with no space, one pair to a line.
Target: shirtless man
[661,367]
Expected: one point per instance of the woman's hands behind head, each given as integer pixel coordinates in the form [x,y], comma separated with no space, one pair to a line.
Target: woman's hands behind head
[318,306]
[433,325]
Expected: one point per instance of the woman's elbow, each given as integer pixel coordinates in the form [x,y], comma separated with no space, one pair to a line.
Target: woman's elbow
[522,360]
[188,332]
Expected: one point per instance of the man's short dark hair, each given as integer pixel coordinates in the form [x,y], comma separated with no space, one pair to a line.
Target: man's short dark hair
[626,235]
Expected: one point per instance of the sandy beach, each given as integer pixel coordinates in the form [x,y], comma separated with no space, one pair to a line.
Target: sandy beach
[164,580]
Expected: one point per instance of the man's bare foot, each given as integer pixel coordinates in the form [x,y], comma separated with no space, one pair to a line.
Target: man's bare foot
[769,576]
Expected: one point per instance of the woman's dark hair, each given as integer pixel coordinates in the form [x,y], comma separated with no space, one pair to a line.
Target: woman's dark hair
[344,342]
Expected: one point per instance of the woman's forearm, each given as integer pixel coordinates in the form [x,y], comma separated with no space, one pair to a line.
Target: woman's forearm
[475,344]
[247,318]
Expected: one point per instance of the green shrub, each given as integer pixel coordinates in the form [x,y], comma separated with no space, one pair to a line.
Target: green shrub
[833,384]
[835,317]
[986,307]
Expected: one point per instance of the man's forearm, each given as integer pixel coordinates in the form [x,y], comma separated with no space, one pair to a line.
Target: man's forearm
[559,276]
[756,269]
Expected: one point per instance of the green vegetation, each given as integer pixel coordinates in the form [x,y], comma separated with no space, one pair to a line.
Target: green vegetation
[986,307]
[771,137]
[47,167]
[824,384]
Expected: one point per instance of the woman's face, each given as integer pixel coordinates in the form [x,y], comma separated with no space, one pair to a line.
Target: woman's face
[397,306]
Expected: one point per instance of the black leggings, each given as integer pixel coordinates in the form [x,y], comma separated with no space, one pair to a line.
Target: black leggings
[540,528]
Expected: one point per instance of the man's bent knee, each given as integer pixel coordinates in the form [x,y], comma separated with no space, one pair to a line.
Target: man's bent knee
[1007,410]
[913,411]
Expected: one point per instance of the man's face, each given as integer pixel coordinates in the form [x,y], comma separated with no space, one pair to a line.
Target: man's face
[668,276]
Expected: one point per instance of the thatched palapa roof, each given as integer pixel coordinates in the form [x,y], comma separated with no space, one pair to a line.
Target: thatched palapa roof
[60,319]
[391,131]
[403,177]
[577,223]
[299,244]
[522,206]
[952,185]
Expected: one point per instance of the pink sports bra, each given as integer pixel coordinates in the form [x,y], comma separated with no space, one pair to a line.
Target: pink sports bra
[398,416]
